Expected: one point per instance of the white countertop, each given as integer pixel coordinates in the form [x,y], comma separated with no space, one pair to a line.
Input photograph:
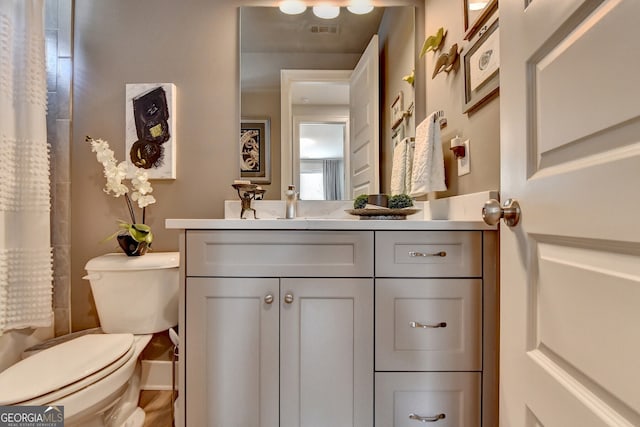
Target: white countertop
[324,224]
[453,213]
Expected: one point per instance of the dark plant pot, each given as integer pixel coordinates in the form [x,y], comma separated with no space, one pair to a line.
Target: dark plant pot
[378,200]
[131,247]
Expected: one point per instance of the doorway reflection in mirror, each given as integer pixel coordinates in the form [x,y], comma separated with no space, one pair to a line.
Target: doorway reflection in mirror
[322,148]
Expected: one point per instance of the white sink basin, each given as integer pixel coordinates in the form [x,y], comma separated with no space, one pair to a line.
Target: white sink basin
[308,210]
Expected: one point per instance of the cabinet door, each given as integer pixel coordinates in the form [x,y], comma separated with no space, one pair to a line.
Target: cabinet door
[232,352]
[326,358]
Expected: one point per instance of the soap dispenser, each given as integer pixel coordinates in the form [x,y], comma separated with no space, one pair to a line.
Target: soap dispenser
[290,199]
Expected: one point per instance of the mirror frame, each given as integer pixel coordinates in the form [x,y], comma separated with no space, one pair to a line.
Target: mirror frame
[472,27]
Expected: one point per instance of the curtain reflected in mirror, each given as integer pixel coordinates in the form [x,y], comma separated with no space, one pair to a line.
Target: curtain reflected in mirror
[333,175]
[321,160]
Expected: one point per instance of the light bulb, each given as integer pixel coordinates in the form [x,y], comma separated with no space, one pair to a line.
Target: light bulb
[292,7]
[326,11]
[360,7]
[478,5]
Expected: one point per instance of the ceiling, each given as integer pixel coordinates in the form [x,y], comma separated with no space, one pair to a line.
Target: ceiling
[266,29]
[271,41]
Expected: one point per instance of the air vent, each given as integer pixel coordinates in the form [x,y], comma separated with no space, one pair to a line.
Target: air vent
[324,29]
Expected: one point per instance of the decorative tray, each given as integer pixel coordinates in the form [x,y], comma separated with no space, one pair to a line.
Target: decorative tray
[383,213]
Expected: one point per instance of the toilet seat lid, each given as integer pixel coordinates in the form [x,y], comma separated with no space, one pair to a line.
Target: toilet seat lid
[61,365]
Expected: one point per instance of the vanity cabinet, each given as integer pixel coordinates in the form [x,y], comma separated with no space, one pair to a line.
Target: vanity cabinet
[431,362]
[279,328]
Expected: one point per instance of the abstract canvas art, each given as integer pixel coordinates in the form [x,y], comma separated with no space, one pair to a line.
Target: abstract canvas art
[150,142]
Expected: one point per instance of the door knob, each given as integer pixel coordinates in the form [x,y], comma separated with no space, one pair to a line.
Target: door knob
[268,299]
[509,211]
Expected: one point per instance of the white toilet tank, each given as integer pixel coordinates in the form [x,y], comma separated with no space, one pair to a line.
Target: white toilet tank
[138,295]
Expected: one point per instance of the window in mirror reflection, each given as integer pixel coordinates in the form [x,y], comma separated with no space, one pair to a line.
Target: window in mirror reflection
[322,148]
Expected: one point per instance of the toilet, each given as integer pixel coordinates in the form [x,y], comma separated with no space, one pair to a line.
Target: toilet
[96,377]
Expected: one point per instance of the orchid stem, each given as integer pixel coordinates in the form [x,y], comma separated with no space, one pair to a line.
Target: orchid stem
[133,215]
[144,211]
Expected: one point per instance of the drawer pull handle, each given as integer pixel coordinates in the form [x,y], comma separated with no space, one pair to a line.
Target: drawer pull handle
[425,326]
[419,254]
[268,299]
[288,298]
[433,419]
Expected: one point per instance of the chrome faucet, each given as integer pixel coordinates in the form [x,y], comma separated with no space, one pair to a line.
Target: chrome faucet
[291,197]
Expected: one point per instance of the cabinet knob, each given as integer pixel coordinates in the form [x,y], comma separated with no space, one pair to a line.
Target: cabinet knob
[268,299]
[288,298]
[432,419]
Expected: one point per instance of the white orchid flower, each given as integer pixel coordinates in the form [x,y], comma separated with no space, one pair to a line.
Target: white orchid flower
[115,173]
[99,145]
[143,200]
[141,182]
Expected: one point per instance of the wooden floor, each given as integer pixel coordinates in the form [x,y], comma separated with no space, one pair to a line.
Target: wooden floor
[158,406]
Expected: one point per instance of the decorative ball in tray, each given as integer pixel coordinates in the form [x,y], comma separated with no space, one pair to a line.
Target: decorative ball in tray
[382,207]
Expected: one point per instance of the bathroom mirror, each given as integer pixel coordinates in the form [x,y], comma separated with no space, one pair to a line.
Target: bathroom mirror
[328,50]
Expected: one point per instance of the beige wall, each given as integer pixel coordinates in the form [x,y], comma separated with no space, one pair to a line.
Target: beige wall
[193,43]
[444,92]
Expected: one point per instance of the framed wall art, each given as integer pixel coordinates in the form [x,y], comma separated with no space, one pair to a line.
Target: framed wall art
[255,150]
[397,111]
[476,13]
[150,139]
[482,69]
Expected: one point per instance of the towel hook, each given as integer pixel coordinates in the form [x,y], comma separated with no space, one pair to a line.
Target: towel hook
[439,115]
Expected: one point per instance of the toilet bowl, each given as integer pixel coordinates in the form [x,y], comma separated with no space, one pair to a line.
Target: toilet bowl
[96,377]
[86,375]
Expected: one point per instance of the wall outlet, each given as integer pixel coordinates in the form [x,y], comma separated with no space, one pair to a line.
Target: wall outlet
[464,166]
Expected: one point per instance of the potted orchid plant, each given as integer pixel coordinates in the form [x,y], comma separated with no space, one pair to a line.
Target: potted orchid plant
[135,237]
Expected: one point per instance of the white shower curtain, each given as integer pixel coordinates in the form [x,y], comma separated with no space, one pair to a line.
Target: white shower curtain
[333,179]
[25,244]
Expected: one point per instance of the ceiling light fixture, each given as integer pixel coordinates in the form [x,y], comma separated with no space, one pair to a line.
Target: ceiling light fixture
[326,11]
[477,5]
[360,7]
[292,7]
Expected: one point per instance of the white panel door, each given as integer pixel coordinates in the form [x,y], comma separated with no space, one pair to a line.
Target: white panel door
[326,356]
[232,352]
[364,115]
[570,271]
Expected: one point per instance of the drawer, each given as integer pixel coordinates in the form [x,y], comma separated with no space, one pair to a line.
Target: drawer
[428,324]
[428,253]
[446,399]
[273,253]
